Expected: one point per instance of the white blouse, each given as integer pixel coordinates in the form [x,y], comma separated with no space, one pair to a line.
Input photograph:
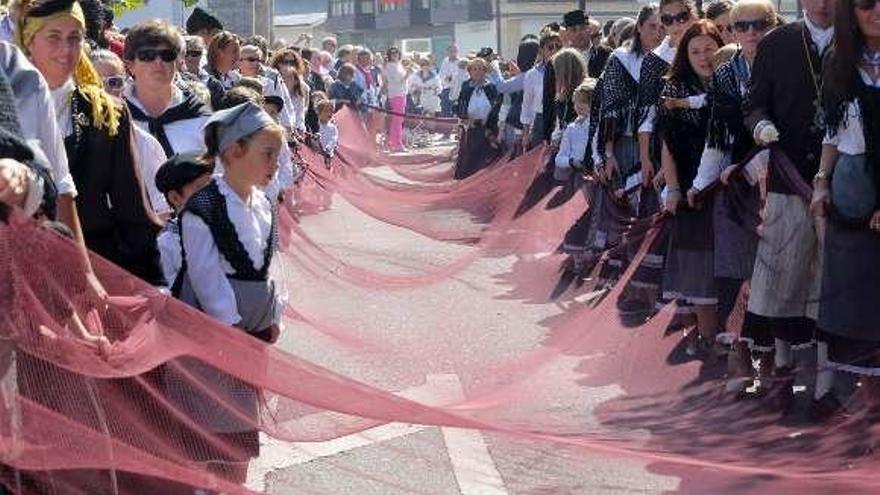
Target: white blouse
[299,106]
[573,147]
[329,137]
[207,269]
[533,95]
[850,137]
[39,124]
[185,136]
[150,156]
[395,79]
[479,106]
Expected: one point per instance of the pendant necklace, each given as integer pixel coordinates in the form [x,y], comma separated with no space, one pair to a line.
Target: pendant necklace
[819,119]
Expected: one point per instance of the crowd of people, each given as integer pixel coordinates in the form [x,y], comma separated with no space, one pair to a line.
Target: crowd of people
[753,138]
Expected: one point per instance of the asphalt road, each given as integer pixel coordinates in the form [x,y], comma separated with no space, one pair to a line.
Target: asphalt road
[426,354]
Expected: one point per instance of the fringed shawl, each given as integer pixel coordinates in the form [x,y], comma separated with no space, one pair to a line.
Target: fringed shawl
[727,130]
[683,130]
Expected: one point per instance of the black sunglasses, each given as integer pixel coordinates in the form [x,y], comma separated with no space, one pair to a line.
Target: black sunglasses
[864,4]
[151,54]
[759,25]
[114,82]
[287,62]
[194,53]
[680,18]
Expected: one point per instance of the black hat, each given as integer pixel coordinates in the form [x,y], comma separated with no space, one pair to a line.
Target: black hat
[179,171]
[574,18]
[485,52]
[200,19]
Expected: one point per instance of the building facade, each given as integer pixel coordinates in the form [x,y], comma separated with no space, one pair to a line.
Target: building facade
[471,24]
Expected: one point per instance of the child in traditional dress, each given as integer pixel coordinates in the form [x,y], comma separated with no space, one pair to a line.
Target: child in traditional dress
[572,149]
[177,179]
[329,134]
[228,231]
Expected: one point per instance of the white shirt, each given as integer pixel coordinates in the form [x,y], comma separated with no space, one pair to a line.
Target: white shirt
[185,136]
[394,77]
[170,255]
[274,86]
[666,51]
[329,137]
[150,156]
[572,148]
[712,163]
[447,72]
[429,91]
[299,105]
[285,175]
[533,94]
[460,77]
[207,269]
[821,37]
[479,106]
[39,124]
[630,60]
[850,137]
[61,102]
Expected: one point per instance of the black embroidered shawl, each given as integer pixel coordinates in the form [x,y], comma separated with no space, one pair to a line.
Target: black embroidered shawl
[727,93]
[683,130]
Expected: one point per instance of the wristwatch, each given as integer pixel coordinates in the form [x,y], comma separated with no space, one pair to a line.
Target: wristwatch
[821,175]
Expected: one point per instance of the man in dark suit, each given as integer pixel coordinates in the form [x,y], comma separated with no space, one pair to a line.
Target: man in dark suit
[783,109]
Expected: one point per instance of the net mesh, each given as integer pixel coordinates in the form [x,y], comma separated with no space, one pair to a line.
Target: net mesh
[455,334]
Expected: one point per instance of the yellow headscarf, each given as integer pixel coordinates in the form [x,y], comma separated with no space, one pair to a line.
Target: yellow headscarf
[105,111]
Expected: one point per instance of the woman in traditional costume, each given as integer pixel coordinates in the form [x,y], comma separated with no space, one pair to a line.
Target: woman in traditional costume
[728,144]
[478,107]
[689,273]
[846,200]
[116,219]
[173,116]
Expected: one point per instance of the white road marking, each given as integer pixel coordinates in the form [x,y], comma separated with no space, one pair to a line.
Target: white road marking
[472,464]
[470,458]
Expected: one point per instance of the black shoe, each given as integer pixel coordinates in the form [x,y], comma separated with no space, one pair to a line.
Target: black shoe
[825,408]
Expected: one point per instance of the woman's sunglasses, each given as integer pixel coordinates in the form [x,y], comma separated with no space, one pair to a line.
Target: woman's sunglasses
[287,62]
[114,82]
[194,53]
[864,4]
[679,18]
[151,54]
[759,25]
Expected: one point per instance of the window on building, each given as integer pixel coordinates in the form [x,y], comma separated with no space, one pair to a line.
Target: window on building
[367,6]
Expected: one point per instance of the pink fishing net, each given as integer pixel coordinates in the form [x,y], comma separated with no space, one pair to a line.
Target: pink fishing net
[457,332]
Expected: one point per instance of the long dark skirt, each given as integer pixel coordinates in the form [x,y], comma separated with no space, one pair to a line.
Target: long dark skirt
[690,269]
[849,317]
[475,152]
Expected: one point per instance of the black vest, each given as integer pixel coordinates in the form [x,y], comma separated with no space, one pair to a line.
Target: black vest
[209,205]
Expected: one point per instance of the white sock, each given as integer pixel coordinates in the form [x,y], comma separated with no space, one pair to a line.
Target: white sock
[784,355]
[824,372]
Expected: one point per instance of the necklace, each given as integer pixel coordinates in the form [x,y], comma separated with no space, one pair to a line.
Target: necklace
[816,77]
